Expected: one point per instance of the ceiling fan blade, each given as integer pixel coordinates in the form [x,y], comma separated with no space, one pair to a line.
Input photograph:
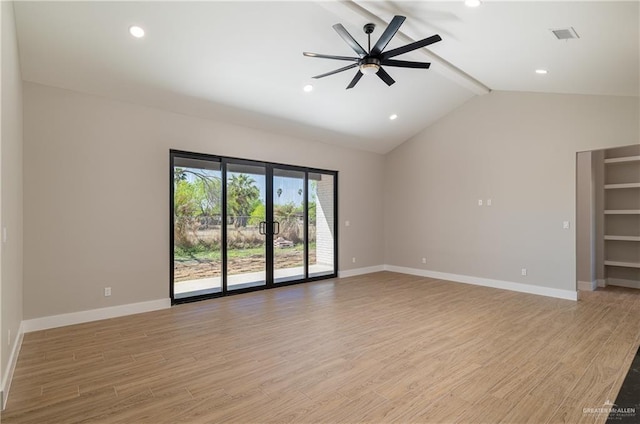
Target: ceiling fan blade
[387,35]
[355,80]
[405,64]
[349,39]
[385,77]
[410,47]
[328,56]
[336,71]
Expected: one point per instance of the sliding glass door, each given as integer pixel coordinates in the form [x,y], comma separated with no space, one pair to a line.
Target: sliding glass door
[289,244]
[197,226]
[322,222]
[241,225]
[246,247]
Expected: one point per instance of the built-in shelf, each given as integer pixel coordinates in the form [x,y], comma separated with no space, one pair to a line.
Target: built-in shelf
[625,185]
[623,264]
[622,212]
[621,189]
[623,238]
[624,159]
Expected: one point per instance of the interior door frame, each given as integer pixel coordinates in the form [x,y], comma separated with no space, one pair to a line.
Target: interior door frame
[270,254]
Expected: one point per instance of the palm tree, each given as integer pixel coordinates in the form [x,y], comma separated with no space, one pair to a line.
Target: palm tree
[287,215]
[242,194]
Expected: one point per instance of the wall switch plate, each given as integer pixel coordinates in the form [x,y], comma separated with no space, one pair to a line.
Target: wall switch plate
[565,225]
[479,202]
[107,291]
[4,234]
[524,271]
[347,223]
[424,260]
[488,202]
[353,259]
[9,337]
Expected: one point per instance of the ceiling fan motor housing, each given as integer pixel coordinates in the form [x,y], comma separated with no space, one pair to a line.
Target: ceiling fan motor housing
[368,60]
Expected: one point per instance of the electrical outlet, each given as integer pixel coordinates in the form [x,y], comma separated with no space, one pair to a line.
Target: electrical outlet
[488,202]
[353,259]
[424,260]
[107,291]
[479,202]
[565,225]
[524,271]
[347,223]
[4,235]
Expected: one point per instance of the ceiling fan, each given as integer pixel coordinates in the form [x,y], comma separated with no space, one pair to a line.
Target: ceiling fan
[371,61]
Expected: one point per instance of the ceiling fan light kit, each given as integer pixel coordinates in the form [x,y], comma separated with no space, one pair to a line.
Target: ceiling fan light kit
[370,61]
[369,66]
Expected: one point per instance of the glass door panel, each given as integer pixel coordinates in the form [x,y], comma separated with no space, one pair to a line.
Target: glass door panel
[246,226]
[197,227]
[321,212]
[289,225]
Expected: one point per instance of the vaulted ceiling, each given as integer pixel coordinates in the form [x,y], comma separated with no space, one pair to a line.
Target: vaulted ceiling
[242,61]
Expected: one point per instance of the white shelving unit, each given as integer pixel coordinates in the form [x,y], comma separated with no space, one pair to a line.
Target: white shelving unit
[623,238]
[625,185]
[622,212]
[623,264]
[623,159]
[622,217]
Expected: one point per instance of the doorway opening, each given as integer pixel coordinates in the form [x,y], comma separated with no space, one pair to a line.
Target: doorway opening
[608,218]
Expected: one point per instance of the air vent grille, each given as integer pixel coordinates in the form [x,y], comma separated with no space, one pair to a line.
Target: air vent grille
[565,33]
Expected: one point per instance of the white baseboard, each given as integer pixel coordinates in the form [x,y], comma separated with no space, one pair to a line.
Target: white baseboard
[632,284]
[360,271]
[588,285]
[486,282]
[11,365]
[62,320]
[602,283]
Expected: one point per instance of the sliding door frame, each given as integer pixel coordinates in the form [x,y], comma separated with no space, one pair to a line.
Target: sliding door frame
[269,252]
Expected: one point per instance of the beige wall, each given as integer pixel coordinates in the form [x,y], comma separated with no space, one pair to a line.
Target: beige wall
[97,195]
[519,149]
[11,189]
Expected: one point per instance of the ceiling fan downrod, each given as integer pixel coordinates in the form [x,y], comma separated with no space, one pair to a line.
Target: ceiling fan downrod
[368,29]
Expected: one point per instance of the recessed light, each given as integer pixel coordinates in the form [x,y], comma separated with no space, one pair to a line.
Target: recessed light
[393,117]
[136,31]
[308,88]
[472,3]
[541,71]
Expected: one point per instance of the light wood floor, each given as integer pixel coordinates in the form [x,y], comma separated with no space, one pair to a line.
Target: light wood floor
[378,348]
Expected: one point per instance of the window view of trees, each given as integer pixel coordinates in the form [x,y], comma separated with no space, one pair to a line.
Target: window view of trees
[198,222]
[243,198]
[197,203]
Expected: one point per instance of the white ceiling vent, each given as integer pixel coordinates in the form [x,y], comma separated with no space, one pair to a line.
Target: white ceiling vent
[565,33]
